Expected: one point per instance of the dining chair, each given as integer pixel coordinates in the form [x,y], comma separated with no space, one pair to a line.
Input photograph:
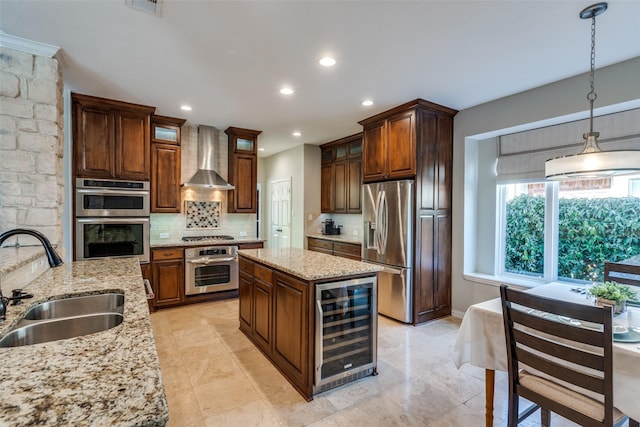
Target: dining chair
[622,273]
[560,358]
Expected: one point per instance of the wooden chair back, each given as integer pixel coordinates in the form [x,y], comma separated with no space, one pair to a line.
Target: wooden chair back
[627,274]
[550,336]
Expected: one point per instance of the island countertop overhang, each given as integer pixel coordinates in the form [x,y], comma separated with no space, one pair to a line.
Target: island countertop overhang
[309,265]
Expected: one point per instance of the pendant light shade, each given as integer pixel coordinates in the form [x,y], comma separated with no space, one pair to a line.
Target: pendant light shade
[592,162]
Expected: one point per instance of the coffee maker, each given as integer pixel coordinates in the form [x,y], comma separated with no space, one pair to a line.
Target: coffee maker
[330,228]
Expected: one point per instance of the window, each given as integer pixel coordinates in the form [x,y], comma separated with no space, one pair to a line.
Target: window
[566,230]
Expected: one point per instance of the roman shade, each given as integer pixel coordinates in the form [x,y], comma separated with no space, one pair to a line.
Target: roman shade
[521,155]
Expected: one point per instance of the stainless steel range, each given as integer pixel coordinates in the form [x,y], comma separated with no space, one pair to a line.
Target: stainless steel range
[211,269]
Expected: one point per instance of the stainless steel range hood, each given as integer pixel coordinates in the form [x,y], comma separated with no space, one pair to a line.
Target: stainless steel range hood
[206,176]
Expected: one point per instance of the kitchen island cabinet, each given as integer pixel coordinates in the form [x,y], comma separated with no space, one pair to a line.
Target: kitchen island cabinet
[103,379]
[277,305]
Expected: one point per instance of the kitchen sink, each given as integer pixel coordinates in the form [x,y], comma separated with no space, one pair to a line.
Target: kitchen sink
[67,318]
[60,329]
[77,306]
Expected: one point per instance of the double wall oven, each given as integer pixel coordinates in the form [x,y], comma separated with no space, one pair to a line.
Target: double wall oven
[112,219]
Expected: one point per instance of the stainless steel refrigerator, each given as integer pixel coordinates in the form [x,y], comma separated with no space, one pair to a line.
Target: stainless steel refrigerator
[387,212]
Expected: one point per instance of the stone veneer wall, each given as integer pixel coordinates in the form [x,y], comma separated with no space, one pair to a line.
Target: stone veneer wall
[31,143]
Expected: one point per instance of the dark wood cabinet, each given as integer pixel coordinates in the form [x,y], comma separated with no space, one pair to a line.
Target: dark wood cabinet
[389,147]
[341,175]
[415,140]
[256,303]
[342,249]
[275,315]
[165,164]
[263,307]
[243,170]
[245,295]
[168,276]
[110,138]
[293,332]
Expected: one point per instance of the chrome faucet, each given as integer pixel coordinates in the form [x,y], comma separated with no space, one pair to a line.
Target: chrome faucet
[52,255]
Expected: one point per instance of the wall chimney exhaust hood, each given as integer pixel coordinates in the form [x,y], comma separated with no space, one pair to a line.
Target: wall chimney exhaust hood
[206,176]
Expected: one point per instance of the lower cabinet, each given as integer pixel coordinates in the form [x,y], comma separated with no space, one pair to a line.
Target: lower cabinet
[263,307]
[345,250]
[168,276]
[293,335]
[275,316]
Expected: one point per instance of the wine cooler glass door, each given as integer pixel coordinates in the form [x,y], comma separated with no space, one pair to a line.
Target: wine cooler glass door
[346,330]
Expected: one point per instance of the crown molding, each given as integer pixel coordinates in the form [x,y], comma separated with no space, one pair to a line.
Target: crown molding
[29,46]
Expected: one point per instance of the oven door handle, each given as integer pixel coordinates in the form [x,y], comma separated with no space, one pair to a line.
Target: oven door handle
[211,261]
[104,191]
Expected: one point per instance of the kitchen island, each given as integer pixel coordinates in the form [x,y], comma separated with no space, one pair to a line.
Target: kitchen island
[110,378]
[277,300]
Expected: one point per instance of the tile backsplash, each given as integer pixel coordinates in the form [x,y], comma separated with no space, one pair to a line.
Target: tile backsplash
[202,214]
[351,223]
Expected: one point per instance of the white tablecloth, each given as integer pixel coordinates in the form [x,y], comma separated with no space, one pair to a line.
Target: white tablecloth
[481,342]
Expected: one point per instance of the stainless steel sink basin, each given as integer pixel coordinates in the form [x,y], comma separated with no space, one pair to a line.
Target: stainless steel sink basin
[77,306]
[59,329]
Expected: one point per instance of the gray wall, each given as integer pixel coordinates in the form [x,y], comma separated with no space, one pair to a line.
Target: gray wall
[618,88]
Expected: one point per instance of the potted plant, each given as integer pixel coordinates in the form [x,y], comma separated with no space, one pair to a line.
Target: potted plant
[612,294]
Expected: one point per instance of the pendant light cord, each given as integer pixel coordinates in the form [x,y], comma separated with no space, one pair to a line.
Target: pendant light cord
[591,96]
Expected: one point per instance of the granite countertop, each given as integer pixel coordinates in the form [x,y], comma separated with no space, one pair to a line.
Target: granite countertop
[165,243]
[340,238]
[12,258]
[111,378]
[308,265]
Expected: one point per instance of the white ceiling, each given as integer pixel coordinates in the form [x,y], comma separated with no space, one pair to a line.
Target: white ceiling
[228,59]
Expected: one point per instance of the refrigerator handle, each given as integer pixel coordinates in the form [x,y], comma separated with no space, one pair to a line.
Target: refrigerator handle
[384,226]
[376,231]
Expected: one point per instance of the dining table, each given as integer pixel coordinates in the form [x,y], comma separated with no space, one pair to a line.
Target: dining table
[481,342]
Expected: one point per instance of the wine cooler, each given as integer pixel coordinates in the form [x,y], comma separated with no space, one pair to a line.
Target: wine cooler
[346,332]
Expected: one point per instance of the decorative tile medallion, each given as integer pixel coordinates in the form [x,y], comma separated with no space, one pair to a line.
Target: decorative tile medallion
[203,214]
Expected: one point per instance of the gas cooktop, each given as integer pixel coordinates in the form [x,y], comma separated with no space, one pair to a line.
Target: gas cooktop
[207,238]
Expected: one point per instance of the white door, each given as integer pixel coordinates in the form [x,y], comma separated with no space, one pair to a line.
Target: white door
[281,214]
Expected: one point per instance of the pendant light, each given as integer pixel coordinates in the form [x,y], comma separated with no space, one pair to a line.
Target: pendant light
[592,162]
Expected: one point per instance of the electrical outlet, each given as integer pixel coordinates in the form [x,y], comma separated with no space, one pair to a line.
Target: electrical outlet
[355,232]
[164,235]
[243,234]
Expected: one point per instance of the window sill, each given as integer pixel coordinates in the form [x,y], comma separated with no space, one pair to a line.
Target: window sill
[492,280]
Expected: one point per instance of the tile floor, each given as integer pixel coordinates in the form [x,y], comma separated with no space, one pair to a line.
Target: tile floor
[214,376]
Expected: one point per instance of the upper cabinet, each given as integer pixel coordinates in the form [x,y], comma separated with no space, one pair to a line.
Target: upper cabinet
[341,178]
[165,164]
[389,146]
[243,170]
[110,138]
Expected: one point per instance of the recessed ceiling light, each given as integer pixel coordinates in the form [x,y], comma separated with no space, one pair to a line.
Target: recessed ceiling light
[327,61]
[185,107]
[296,133]
[286,91]
[367,102]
